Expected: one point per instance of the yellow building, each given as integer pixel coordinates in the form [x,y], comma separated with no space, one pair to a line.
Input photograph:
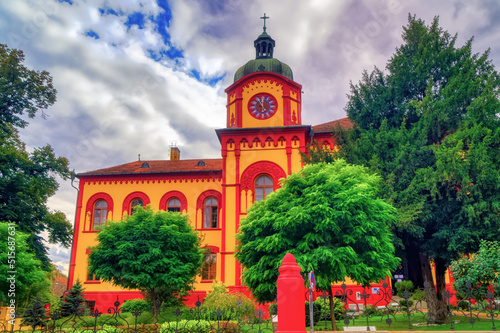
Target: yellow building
[260,144]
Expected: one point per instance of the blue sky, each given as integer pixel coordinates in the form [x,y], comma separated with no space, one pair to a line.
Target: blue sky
[134,76]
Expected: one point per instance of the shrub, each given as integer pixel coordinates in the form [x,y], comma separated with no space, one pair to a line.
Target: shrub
[135,304]
[371,310]
[145,318]
[169,314]
[401,286]
[418,295]
[104,329]
[404,304]
[186,326]
[219,298]
[338,308]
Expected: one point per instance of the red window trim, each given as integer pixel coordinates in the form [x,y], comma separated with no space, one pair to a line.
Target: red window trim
[90,208]
[173,194]
[200,205]
[134,195]
[256,169]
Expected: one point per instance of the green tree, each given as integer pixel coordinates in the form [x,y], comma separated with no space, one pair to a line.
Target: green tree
[73,302]
[479,270]
[329,217]
[16,256]
[27,180]
[156,252]
[429,126]
[22,91]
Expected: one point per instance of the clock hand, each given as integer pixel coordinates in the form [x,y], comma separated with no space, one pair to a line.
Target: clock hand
[262,105]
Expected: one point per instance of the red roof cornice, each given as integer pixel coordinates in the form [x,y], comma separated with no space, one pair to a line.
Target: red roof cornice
[262,131]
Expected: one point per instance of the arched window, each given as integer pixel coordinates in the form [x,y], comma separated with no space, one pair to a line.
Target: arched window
[210,213]
[174,205]
[209,268]
[100,214]
[263,186]
[136,202]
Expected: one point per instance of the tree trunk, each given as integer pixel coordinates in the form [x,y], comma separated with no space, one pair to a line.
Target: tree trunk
[332,308]
[413,263]
[155,307]
[436,303]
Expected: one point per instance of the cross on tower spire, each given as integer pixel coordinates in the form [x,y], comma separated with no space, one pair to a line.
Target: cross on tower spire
[264,18]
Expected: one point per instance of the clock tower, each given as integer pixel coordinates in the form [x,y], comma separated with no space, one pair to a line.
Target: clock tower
[263,93]
[261,143]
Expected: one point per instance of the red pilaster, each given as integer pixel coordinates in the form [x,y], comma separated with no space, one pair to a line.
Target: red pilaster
[71,275]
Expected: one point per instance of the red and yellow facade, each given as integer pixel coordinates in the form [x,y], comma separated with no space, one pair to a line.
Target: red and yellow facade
[260,144]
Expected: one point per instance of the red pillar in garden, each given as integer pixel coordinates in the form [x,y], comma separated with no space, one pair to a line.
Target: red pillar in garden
[291,314]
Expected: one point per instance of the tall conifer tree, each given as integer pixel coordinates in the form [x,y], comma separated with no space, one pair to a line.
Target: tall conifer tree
[429,125]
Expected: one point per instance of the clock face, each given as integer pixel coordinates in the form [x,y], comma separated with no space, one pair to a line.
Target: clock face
[262,106]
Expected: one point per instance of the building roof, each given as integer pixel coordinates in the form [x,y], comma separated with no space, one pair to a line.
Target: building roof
[272,65]
[344,123]
[168,166]
[264,61]
[194,165]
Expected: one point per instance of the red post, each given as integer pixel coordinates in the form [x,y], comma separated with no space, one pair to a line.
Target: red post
[291,313]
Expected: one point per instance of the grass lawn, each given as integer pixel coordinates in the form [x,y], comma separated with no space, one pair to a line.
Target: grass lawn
[400,323]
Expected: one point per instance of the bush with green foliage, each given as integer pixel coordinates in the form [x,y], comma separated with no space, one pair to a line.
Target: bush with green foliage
[220,298]
[402,287]
[135,305]
[186,326]
[323,306]
[109,320]
[479,271]
[199,326]
[418,295]
[104,329]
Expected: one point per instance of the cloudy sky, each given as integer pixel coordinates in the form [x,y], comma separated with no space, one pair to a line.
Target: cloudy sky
[135,76]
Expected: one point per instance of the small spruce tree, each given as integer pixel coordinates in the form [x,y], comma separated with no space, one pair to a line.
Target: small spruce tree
[35,314]
[73,301]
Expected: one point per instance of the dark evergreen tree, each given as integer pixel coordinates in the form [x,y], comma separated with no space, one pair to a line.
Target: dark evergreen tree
[430,127]
[73,302]
[35,315]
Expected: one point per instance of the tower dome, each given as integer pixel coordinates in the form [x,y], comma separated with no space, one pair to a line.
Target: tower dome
[264,61]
